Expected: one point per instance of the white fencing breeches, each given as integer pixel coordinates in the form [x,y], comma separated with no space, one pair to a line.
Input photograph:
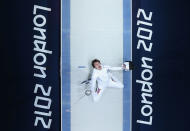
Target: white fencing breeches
[99,91]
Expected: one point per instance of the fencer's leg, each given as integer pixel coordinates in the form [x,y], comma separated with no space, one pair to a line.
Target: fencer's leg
[115,84]
[98,94]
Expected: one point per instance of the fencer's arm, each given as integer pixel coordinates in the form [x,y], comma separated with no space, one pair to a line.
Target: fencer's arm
[114,68]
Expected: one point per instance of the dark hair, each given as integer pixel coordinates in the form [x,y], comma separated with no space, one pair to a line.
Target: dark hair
[95,60]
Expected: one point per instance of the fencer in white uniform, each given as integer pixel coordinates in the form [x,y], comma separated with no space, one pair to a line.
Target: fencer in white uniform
[102,78]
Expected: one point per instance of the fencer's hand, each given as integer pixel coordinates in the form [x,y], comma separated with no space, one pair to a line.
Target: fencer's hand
[124,66]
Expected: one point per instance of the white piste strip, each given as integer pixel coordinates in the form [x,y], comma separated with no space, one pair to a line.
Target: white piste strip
[96,32]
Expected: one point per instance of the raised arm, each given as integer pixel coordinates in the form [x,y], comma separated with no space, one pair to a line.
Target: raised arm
[114,68]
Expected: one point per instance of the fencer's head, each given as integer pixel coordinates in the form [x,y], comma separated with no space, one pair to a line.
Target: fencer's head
[96,64]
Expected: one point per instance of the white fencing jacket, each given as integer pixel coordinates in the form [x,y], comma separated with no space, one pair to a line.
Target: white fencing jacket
[102,77]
